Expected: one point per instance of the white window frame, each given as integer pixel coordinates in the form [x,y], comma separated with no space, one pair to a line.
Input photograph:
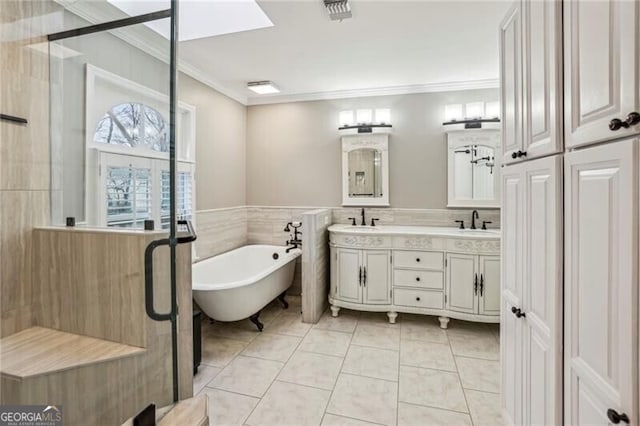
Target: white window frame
[101,85]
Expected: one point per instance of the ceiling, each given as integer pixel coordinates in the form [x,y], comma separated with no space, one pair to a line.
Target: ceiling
[388,47]
[387,44]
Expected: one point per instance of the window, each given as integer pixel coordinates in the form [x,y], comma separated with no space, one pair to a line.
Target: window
[127,152]
[133,125]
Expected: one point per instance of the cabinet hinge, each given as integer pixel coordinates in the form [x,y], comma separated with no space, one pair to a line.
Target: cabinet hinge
[390,259]
[446,262]
[445,298]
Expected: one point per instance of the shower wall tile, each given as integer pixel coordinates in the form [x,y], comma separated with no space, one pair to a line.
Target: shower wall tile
[20,211]
[315,263]
[415,217]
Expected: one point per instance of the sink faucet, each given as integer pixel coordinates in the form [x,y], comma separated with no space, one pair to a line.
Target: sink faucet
[474,216]
[362,214]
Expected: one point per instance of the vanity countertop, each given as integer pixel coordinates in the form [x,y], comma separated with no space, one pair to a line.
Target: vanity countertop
[490,234]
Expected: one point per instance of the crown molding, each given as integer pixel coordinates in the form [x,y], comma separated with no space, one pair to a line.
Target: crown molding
[381,91]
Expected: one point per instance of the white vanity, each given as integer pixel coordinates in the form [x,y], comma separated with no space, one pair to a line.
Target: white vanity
[448,272]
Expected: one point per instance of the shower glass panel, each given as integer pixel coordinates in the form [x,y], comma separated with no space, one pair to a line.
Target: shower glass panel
[109,118]
[115,130]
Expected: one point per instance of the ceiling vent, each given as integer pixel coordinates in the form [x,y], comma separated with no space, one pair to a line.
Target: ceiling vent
[338,9]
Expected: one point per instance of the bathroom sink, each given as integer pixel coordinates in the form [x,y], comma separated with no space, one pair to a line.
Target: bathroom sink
[415,230]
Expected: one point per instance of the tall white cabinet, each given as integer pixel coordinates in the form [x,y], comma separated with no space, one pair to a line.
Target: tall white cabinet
[601,283]
[570,248]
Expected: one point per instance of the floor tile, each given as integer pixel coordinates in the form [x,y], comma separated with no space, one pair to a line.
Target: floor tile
[427,355]
[228,409]
[333,420]
[346,321]
[204,376]
[290,404]
[311,369]
[479,374]
[239,330]
[433,388]
[481,345]
[378,318]
[248,376]
[427,329]
[275,347]
[218,352]
[377,337]
[289,323]
[326,342]
[416,415]
[365,398]
[484,408]
[372,362]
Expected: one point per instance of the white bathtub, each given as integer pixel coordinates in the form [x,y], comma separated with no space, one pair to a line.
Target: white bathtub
[238,284]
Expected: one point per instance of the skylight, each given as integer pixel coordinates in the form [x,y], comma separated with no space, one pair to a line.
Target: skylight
[201,18]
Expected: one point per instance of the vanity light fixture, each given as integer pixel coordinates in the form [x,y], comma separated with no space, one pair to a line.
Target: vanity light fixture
[383,116]
[474,110]
[346,118]
[364,116]
[492,109]
[263,87]
[453,112]
[338,9]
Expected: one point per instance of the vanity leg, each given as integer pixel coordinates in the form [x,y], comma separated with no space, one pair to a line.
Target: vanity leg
[335,310]
[392,317]
[444,322]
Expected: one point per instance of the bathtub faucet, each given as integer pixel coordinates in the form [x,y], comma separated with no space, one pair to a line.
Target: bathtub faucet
[295,241]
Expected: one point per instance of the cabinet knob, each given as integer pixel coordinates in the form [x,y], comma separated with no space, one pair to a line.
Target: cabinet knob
[514,155]
[518,312]
[417,278]
[417,259]
[617,124]
[418,299]
[615,417]
[633,118]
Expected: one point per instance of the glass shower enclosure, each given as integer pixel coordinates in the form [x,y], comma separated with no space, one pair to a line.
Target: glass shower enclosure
[115,124]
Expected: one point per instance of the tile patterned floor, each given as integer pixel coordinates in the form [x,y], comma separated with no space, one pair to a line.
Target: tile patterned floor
[356,369]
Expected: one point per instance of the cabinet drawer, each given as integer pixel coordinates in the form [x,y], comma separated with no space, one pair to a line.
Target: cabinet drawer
[418,259]
[418,278]
[418,298]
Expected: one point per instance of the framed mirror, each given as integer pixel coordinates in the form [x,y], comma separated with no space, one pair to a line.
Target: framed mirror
[473,168]
[365,170]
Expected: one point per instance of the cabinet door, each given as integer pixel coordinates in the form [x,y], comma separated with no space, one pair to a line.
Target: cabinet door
[601,46]
[511,364]
[463,282]
[489,287]
[511,280]
[511,82]
[348,273]
[377,276]
[542,82]
[600,316]
[542,292]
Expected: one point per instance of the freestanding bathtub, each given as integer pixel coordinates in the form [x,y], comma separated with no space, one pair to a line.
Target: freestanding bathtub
[238,284]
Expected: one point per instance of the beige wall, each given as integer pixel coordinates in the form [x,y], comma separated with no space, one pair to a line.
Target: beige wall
[293,150]
[221,127]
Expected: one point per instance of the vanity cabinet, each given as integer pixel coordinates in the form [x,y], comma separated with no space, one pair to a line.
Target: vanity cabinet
[452,274]
[473,284]
[602,81]
[531,80]
[361,276]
